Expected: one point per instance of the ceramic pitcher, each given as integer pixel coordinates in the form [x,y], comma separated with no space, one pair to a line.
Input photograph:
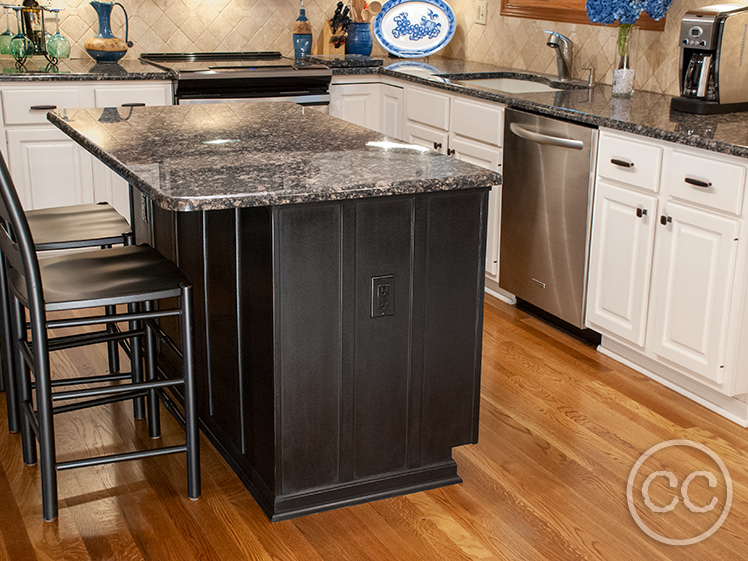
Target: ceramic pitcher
[105,47]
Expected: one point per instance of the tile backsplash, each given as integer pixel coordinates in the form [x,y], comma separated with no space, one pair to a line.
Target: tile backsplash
[213,25]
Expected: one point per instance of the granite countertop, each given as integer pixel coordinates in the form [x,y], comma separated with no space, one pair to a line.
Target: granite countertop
[79,69]
[647,114]
[203,157]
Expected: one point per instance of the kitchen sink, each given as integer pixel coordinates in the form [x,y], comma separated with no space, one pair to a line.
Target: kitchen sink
[510,85]
[513,82]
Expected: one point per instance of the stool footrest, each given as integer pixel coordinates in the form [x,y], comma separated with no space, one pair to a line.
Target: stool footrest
[124,388]
[97,402]
[114,458]
[79,340]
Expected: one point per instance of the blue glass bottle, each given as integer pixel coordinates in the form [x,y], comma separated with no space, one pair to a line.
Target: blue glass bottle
[302,35]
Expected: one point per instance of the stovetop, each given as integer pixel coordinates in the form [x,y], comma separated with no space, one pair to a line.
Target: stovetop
[225,64]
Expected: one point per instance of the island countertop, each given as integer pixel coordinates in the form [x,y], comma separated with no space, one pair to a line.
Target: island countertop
[205,157]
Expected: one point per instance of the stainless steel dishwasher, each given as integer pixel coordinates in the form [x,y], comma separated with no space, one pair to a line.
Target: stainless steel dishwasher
[545,213]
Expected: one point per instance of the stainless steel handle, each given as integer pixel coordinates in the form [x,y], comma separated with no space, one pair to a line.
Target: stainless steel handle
[545,139]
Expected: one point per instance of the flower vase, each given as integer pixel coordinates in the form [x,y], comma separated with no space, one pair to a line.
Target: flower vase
[623,76]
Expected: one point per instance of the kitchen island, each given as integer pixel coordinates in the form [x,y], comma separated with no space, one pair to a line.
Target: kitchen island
[338,281]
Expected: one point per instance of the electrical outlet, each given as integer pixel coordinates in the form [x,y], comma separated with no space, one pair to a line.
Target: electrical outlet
[383,296]
[481,7]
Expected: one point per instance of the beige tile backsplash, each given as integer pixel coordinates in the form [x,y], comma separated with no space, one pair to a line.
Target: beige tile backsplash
[210,25]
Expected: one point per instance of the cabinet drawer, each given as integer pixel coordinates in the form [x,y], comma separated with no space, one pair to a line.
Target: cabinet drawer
[27,107]
[429,108]
[628,161]
[706,181]
[478,121]
[122,95]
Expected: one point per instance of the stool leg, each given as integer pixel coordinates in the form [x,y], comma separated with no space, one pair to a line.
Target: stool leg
[154,413]
[190,413]
[8,362]
[23,378]
[136,363]
[112,346]
[47,459]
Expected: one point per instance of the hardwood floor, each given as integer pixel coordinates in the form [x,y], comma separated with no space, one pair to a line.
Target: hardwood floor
[561,428]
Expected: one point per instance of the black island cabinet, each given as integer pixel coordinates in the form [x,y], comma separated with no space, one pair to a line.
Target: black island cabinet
[338,291]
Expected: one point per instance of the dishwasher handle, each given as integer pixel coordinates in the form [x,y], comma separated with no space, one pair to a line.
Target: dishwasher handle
[545,139]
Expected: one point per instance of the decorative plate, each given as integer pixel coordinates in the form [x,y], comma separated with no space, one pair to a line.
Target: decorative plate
[414,28]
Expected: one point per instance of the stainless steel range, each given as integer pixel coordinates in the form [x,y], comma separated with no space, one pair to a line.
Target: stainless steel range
[244,76]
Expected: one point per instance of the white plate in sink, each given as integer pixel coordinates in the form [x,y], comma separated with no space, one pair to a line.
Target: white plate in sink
[414,28]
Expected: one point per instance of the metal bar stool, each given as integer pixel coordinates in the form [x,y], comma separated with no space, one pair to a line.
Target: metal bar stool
[78,281]
[69,227]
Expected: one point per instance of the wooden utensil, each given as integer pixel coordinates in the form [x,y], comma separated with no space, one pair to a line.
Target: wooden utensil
[374,8]
[366,15]
[357,6]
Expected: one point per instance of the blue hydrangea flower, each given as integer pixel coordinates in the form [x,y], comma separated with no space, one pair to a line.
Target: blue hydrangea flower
[625,11]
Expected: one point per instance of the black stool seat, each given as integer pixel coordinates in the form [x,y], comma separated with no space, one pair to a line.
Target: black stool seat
[76,226]
[103,277]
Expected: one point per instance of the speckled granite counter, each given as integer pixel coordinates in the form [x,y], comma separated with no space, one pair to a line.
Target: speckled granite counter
[200,157]
[647,114]
[78,69]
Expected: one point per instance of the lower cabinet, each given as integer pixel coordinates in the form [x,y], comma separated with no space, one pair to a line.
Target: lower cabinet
[48,168]
[621,261]
[667,269]
[692,289]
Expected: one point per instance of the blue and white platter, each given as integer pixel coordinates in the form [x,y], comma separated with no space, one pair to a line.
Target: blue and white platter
[414,28]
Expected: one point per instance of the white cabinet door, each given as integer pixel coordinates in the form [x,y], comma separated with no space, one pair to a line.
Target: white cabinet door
[694,268]
[391,111]
[356,103]
[426,136]
[48,168]
[488,157]
[621,248]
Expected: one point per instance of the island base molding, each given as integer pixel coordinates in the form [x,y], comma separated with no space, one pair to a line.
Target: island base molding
[320,388]
[293,505]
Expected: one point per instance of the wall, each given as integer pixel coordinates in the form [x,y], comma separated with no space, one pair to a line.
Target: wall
[213,25]
[520,43]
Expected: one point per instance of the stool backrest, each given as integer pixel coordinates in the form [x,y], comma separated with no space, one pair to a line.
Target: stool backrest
[17,245]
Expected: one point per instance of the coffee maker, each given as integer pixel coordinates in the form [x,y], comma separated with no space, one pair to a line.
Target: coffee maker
[713,60]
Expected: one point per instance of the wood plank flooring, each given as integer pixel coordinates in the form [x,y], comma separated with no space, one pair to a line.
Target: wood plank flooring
[561,428]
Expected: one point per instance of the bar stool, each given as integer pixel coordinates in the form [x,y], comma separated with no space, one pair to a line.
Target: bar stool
[69,227]
[79,281]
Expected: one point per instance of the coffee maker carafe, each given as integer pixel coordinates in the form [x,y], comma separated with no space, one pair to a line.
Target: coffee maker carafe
[713,72]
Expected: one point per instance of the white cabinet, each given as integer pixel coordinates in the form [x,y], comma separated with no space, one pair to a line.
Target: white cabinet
[667,274]
[356,103]
[48,168]
[391,110]
[620,261]
[695,269]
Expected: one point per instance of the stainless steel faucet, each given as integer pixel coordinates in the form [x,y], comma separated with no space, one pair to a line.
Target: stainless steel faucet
[564,53]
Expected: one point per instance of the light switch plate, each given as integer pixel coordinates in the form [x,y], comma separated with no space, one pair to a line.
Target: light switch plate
[481,7]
